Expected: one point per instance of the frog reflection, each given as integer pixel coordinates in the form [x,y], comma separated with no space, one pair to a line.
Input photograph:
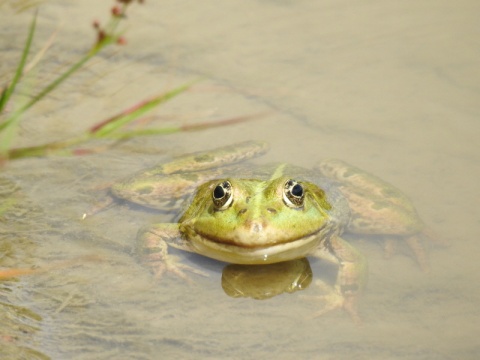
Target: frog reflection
[266,281]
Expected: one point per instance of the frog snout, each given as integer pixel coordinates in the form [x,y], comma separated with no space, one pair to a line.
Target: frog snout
[256,221]
[255,226]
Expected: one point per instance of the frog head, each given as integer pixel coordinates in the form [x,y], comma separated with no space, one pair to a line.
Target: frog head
[257,221]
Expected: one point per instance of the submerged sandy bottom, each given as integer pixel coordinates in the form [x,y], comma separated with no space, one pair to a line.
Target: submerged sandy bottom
[392,88]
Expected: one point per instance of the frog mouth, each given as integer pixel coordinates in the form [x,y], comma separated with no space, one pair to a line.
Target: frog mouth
[260,240]
[263,254]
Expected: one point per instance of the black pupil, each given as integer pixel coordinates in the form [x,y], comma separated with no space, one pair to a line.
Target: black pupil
[218,193]
[297,190]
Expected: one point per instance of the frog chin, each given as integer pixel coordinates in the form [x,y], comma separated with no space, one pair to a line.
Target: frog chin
[236,254]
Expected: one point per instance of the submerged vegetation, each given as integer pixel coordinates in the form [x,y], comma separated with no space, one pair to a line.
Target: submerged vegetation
[111,128]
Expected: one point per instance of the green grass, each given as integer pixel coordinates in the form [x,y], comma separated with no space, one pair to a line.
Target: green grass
[113,128]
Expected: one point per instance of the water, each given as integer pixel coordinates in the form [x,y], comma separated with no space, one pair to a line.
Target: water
[390,87]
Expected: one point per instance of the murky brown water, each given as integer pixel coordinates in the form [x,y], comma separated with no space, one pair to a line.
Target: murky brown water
[392,87]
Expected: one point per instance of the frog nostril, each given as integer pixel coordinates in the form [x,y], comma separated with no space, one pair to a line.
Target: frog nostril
[272,211]
[243,211]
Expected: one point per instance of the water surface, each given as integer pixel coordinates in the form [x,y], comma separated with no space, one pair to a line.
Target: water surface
[390,87]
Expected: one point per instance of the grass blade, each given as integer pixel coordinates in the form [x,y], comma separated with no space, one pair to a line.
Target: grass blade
[18,74]
[184,128]
[115,122]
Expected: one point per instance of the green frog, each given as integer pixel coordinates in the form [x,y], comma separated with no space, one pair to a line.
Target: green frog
[263,214]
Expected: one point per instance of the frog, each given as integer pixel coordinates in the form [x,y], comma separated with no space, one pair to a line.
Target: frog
[233,211]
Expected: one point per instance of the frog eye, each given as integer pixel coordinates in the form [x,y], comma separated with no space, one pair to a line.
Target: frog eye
[293,194]
[222,195]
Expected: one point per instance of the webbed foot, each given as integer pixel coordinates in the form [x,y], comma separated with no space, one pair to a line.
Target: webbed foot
[159,265]
[333,300]
[152,249]
[416,244]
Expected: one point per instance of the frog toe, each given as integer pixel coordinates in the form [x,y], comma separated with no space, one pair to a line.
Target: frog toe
[415,244]
[389,248]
